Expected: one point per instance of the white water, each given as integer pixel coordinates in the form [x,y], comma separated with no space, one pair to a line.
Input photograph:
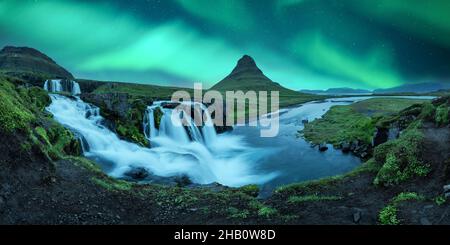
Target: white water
[171,119]
[55,86]
[206,158]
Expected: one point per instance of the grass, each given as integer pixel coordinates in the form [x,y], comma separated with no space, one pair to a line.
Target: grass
[442,115]
[353,122]
[388,215]
[312,198]
[112,184]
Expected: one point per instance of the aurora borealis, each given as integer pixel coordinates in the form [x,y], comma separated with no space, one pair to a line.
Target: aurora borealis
[302,44]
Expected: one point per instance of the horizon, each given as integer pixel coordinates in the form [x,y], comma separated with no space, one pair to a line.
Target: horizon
[307,44]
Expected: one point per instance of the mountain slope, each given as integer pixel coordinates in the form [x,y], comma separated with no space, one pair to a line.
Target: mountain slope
[24,61]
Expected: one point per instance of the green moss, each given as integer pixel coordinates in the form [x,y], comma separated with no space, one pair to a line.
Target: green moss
[13,112]
[440,200]
[427,111]
[40,131]
[388,215]
[157,115]
[407,196]
[312,198]
[251,190]
[267,212]
[368,167]
[131,132]
[235,213]
[442,115]
[112,184]
[356,121]
[340,124]
[85,163]
[400,158]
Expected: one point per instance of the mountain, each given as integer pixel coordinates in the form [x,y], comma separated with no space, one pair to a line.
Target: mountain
[337,91]
[24,61]
[415,88]
[247,76]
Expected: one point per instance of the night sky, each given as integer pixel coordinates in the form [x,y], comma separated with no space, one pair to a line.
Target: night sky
[302,44]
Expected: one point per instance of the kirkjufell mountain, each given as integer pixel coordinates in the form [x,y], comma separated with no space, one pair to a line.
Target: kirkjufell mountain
[247,76]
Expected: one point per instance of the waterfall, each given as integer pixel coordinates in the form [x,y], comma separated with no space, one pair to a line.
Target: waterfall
[172,121]
[56,86]
[200,154]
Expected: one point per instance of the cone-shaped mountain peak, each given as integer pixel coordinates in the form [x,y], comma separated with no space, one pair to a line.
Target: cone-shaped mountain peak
[246,64]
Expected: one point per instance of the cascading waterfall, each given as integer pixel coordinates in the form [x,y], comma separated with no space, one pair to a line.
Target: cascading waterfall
[171,121]
[56,86]
[198,153]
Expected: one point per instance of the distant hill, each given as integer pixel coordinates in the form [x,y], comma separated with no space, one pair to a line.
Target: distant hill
[247,76]
[29,62]
[414,88]
[331,91]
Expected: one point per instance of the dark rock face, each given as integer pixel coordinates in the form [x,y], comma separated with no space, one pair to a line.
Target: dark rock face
[23,61]
[115,103]
[380,136]
[345,146]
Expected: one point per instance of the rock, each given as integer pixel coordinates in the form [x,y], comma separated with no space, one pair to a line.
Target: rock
[183,180]
[380,136]
[425,221]
[170,105]
[137,173]
[323,147]
[305,121]
[345,146]
[446,188]
[357,216]
[354,145]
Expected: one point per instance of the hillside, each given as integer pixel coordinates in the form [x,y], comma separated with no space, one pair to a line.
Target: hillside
[30,63]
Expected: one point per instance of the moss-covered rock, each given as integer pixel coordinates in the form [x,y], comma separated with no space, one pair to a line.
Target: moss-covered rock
[441,117]
[13,112]
[401,158]
[157,115]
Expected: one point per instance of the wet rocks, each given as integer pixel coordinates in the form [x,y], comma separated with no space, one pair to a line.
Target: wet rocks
[170,105]
[345,147]
[357,216]
[305,121]
[381,135]
[323,147]
[447,191]
[137,173]
[182,180]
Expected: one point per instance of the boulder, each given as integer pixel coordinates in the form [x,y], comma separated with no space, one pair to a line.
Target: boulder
[305,121]
[345,146]
[139,173]
[323,147]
